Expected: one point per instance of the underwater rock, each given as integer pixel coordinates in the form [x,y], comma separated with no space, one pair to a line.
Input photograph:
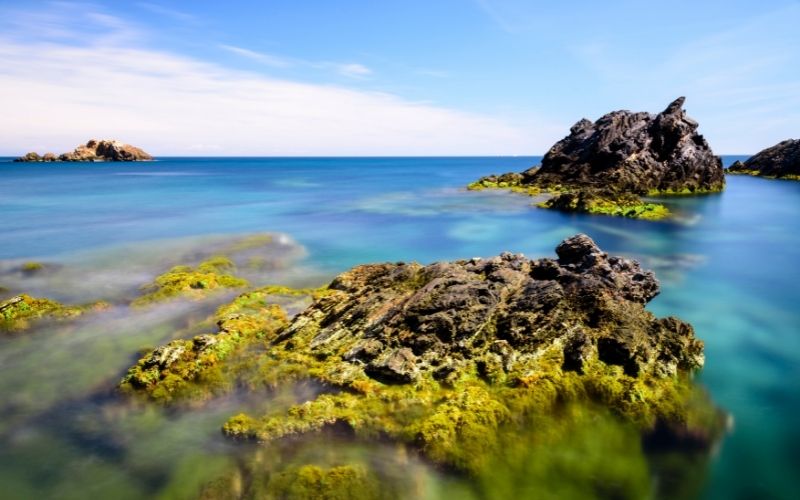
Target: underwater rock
[200,367]
[186,281]
[94,150]
[603,167]
[441,357]
[17,313]
[781,161]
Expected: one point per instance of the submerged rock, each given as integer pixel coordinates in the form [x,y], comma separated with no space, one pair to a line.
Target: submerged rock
[444,357]
[191,282]
[94,150]
[603,167]
[19,312]
[781,161]
[200,367]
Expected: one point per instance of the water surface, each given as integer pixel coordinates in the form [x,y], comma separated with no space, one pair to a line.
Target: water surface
[728,266]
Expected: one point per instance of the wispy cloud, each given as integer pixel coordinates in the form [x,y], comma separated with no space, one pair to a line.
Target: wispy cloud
[354,70]
[260,57]
[59,94]
[350,70]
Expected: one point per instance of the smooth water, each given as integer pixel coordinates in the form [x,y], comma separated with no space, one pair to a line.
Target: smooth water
[728,265]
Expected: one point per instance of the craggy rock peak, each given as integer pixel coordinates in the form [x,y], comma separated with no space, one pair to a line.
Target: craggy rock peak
[781,161]
[399,321]
[603,167]
[94,150]
[638,153]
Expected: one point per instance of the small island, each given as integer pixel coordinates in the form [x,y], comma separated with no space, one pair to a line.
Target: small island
[93,150]
[781,161]
[606,167]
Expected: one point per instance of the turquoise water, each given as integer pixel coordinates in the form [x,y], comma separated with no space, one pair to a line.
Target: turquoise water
[728,265]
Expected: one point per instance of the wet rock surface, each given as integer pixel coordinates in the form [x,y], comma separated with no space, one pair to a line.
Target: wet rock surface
[93,150]
[447,357]
[780,161]
[604,166]
[398,320]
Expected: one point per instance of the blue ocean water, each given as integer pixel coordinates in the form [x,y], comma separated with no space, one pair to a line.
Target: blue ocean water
[728,265]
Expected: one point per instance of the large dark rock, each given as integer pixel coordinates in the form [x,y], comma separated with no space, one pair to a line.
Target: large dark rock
[94,150]
[639,153]
[605,166]
[781,160]
[398,321]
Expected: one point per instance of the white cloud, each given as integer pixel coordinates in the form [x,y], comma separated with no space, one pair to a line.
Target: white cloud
[58,93]
[354,70]
[268,59]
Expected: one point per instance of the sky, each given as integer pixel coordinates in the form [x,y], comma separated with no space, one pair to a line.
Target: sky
[367,78]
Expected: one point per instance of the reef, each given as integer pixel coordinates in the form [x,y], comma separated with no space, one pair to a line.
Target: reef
[93,150]
[192,282]
[781,161]
[19,312]
[606,167]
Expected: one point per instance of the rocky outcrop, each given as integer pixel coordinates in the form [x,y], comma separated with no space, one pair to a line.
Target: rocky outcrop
[621,156]
[94,150]
[18,313]
[781,161]
[444,357]
[638,153]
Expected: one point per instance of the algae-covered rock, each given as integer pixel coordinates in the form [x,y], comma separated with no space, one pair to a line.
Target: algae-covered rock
[197,368]
[605,166]
[446,357]
[192,282]
[781,161]
[18,312]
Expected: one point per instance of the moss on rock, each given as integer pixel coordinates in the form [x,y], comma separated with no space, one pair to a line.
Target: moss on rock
[448,357]
[211,274]
[197,368]
[19,312]
[619,206]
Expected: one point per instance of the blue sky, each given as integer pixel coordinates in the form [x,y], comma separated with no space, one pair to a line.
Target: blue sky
[465,77]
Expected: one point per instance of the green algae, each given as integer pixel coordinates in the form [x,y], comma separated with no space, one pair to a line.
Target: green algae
[208,364]
[757,173]
[454,423]
[687,191]
[211,274]
[31,267]
[343,482]
[622,206]
[19,312]
[569,200]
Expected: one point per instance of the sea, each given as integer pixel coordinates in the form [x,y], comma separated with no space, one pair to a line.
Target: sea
[728,263]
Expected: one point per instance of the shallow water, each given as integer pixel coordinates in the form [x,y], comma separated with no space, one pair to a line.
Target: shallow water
[729,266]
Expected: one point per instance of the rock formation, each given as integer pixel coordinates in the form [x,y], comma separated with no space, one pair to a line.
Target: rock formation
[603,167]
[781,161]
[458,360]
[94,150]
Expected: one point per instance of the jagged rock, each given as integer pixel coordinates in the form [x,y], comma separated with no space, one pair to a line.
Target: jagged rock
[603,167]
[460,308]
[441,356]
[635,153]
[781,161]
[94,150]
